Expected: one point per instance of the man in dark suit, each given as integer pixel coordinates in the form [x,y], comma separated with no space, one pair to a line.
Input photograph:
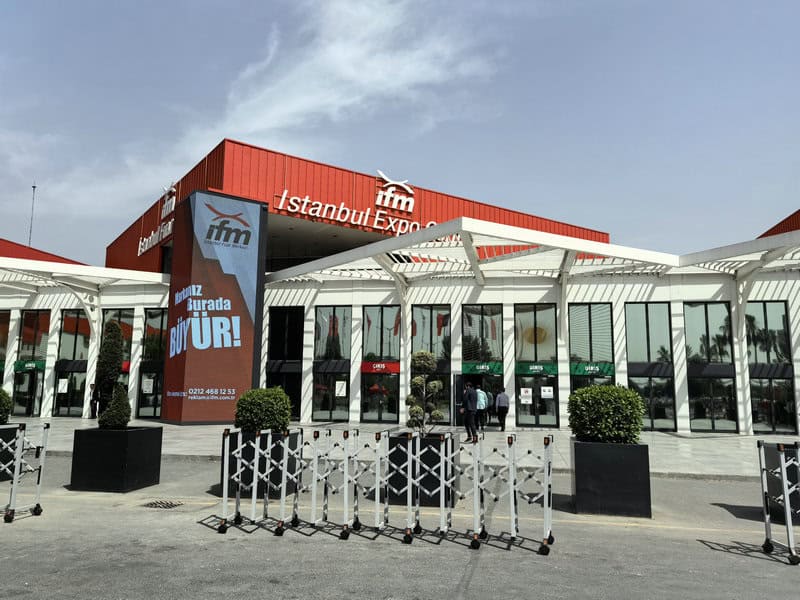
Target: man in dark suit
[469,408]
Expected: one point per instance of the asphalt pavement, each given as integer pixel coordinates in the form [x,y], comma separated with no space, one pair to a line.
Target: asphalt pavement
[704,541]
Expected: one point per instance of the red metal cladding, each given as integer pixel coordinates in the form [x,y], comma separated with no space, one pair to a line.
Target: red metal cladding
[310,190]
[14,250]
[790,223]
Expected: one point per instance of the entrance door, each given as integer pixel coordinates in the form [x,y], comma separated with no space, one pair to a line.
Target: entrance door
[458,396]
[28,393]
[535,408]
[149,405]
[70,390]
[489,383]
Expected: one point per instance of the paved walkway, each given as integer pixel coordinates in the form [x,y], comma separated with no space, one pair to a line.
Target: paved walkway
[671,454]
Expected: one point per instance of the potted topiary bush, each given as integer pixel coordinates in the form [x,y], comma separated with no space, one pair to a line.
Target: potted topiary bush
[114,457]
[422,418]
[263,409]
[610,468]
[7,434]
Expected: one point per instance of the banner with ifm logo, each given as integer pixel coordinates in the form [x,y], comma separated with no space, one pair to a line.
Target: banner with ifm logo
[216,295]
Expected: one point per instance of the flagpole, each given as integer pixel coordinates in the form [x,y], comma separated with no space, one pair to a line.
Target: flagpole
[33,200]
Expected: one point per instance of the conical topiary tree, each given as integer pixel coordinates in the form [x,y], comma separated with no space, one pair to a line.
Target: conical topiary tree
[109,365]
[5,406]
[118,412]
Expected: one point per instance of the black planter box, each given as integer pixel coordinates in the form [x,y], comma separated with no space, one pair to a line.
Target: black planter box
[611,479]
[116,460]
[7,434]
[247,455]
[397,470]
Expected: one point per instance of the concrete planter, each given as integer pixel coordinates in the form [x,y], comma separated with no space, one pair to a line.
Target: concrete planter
[116,460]
[397,472]
[611,479]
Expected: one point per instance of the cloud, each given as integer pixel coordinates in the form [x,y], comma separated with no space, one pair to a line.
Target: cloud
[347,61]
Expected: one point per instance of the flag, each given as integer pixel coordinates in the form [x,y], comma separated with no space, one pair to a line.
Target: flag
[413,328]
[442,319]
[397,323]
[333,326]
[493,326]
[369,323]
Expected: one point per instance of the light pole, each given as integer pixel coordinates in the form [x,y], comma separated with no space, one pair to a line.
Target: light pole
[33,199]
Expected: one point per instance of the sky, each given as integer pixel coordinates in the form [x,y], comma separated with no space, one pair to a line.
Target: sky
[673,126]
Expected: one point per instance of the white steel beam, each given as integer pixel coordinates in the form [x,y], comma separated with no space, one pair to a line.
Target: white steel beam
[472,257]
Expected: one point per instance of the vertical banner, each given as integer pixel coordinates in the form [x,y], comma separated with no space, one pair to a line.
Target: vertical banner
[215,307]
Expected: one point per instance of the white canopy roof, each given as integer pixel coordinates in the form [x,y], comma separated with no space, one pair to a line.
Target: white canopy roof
[481,250]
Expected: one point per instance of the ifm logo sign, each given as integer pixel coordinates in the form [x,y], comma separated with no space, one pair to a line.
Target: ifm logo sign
[388,197]
[223,230]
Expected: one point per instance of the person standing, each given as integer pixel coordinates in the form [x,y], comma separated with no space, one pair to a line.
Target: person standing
[469,406]
[501,408]
[483,403]
[94,400]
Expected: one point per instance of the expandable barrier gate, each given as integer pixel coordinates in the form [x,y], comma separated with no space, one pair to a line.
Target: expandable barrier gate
[784,498]
[24,459]
[409,468]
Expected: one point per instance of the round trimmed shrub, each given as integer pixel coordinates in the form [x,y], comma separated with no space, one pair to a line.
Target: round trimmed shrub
[5,406]
[118,412]
[263,408]
[606,413]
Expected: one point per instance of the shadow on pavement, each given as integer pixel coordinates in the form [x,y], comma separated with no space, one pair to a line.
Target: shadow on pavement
[740,511]
[749,550]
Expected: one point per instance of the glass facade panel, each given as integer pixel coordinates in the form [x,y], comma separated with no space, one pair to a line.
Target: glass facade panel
[535,332]
[471,333]
[5,320]
[659,396]
[331,398]
[660,331]
[719,333]
[778,333]
[382,333]
[285,340]
[75,334]
[155,338]
[482,332]
[636,332]
[34,335]
[601,333]
[755,328]
[332,329]
[579,333]
[712,404]
[773,405]
[123,316]
[430,330]
[380,397]
[708,333]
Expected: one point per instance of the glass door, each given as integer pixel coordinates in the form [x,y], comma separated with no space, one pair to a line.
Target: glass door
[537,401]
[28,393]
[149,406]
[331,400]
[70,390]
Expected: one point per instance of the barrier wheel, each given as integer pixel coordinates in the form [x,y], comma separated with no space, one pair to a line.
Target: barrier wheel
[237,520]
[36,510]
[356,525]
[475,544]
[279,530]
[551,540]
[417,529]
[295,521]
[223,527]
[8,516]
[544,550]
[767,547]
[408,538]
[794,559]
[345,533]
[483,534]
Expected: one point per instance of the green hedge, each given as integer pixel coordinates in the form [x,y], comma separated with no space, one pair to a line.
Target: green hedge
[606,413]
[5,406]
[261,408]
